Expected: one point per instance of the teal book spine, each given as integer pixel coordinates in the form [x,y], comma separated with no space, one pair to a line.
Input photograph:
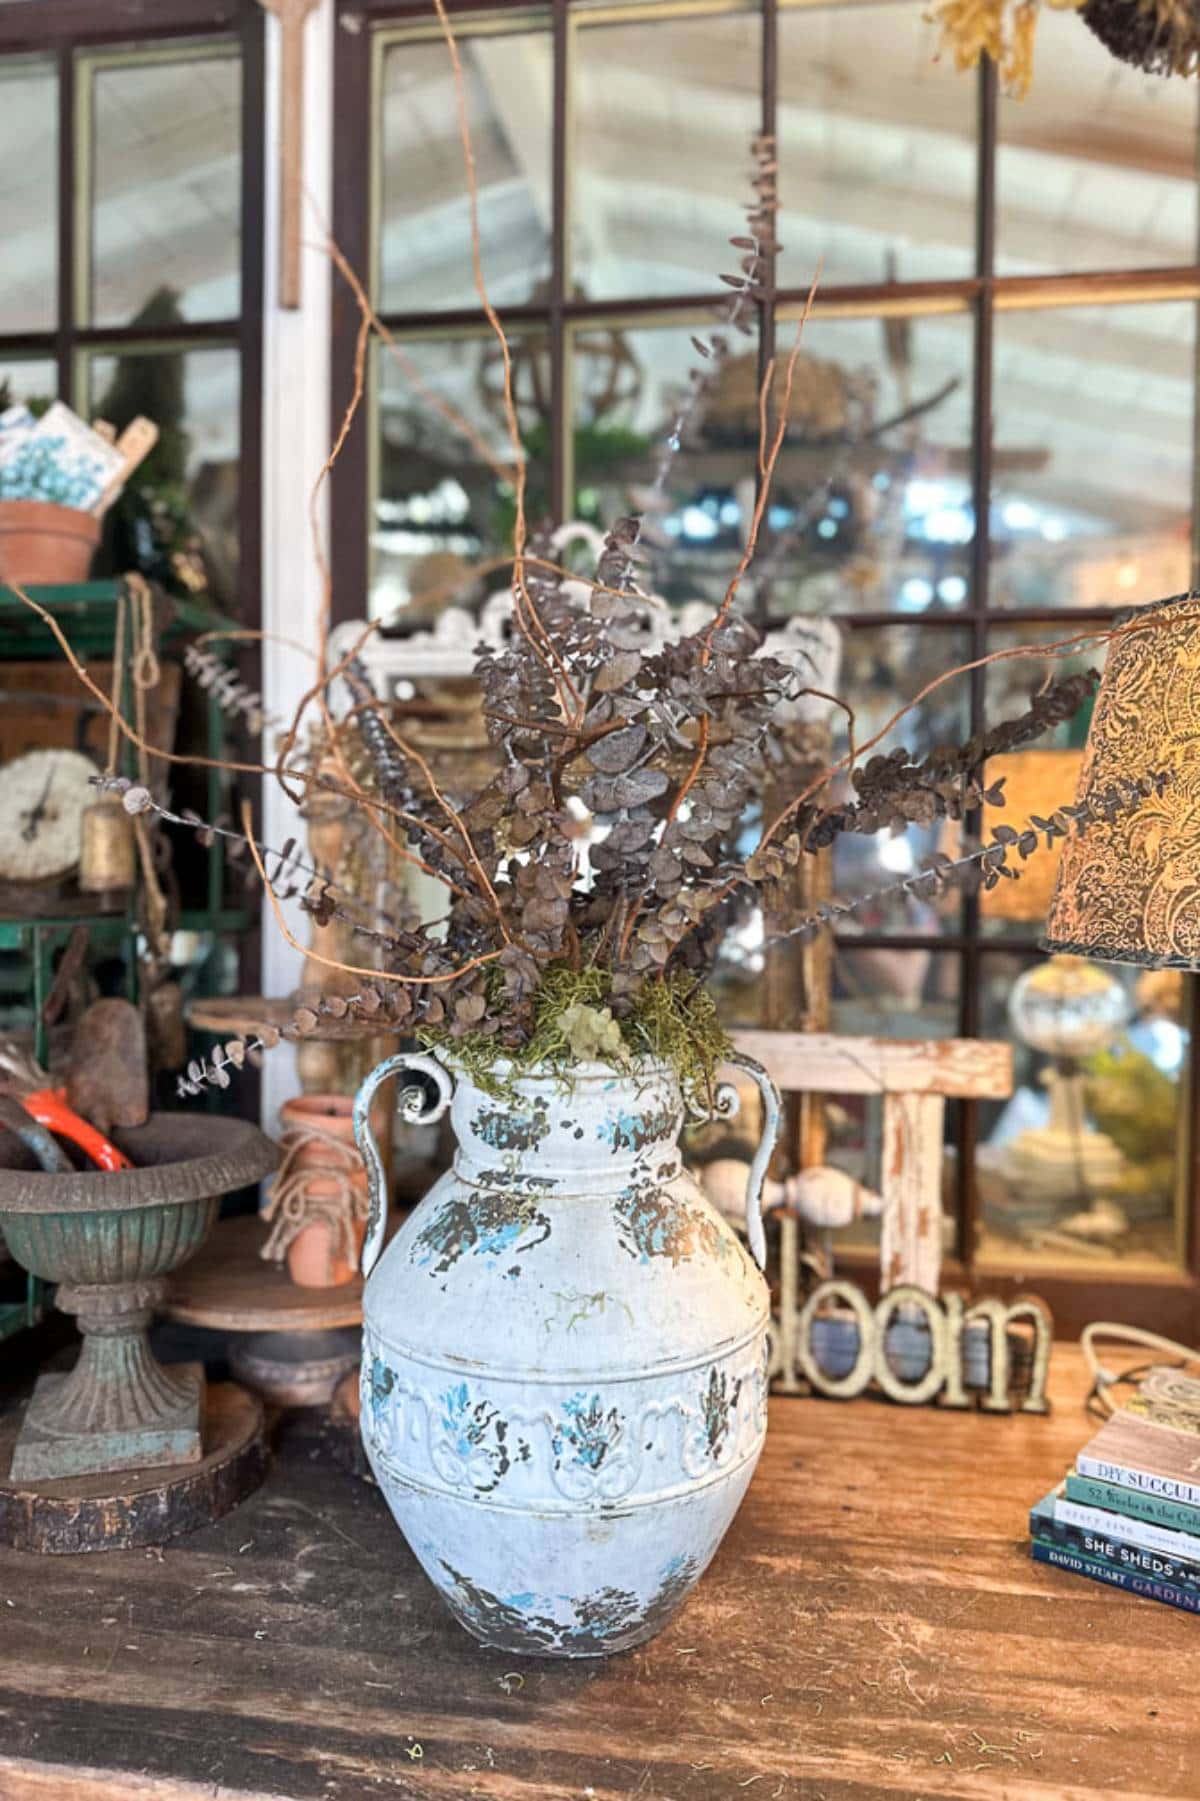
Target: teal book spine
[1134,1503]
[1116,1553]
[1186,1599]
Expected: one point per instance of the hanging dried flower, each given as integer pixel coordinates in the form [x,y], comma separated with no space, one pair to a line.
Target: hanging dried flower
[1160,36]
[996,28]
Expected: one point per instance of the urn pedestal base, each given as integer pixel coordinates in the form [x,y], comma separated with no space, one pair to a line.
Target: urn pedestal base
[45,1453]
[121,1510]
[119,1408]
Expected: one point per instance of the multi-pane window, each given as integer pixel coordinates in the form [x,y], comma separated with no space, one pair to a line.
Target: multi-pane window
[130,282]
[992,446]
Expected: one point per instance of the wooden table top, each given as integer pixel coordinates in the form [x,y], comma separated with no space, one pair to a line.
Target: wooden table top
[873,1626]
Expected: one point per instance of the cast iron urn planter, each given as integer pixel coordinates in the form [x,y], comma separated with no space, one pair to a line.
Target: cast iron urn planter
[109,1239]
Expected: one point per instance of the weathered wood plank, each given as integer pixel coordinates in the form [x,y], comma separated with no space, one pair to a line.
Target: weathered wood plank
[910,1231]
[873,1626]
[820,1062]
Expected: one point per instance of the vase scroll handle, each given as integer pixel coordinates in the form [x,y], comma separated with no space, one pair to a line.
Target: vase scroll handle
[412,1106]
[724,1106]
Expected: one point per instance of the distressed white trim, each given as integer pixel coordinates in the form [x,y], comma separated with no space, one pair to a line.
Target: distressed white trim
[296,436]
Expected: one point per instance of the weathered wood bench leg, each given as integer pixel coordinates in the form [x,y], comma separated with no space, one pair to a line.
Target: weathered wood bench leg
[911,1230]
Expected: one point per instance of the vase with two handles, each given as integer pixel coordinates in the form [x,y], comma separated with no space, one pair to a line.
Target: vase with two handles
[564,1378]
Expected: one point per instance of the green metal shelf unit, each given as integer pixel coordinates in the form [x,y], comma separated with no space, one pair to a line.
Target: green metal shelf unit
[87,615]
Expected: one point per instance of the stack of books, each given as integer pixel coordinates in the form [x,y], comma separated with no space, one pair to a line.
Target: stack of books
[1129,1511]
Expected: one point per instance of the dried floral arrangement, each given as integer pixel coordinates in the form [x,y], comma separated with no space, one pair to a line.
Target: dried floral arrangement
[589,881]
[1161,37]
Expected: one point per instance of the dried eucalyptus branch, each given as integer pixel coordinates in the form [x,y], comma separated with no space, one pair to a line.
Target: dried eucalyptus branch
[250,1048]
[986,867]
[222,682]
[896,791]
[318,895]
[757,249]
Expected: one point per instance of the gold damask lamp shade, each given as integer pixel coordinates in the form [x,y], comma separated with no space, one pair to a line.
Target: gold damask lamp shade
[1129,888]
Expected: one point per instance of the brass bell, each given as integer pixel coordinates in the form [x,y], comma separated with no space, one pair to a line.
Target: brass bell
[108,851]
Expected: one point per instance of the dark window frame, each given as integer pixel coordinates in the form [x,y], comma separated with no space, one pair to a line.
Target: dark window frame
[60,28]
[1171,1301]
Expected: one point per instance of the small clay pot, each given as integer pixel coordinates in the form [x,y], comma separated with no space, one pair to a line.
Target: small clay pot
[41,543]
[316,1256]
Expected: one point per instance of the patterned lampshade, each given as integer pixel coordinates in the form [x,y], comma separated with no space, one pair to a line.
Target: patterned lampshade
[1129,889]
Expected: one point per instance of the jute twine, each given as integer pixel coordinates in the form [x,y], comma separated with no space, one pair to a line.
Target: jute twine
[294,1202]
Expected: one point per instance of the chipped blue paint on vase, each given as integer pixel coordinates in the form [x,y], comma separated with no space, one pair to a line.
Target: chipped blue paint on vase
[564,1384]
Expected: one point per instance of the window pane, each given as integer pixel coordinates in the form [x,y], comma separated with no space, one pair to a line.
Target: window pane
[442,511]
[876,149]
[1083,1165]
[166,190]
[28,193]
[1011,681]
[27,380]
[1096,167]
[424,229]
[885,993]
[181,508]
[883,668]
[664,114]
[1092,489]
[629,384]
[871,505]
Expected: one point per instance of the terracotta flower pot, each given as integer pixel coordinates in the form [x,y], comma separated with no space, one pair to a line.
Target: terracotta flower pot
[41,542]
[320,1198]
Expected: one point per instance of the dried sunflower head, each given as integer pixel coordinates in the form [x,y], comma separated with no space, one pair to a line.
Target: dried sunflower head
[1160,36]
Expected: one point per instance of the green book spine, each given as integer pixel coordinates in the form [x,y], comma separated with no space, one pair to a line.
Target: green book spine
[1186,1599]
[1134,1503]
[1116,1553]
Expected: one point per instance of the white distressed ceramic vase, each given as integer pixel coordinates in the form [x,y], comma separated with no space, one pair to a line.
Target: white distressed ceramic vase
[564,1382]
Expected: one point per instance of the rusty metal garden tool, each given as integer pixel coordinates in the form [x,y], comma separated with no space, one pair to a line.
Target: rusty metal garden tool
[45,1147]
[107,1080]
[25,1081]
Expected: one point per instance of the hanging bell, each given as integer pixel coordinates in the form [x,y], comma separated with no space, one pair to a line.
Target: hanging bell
[107,850]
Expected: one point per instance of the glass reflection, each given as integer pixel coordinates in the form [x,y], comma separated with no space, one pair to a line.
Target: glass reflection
[445,506]
[1072,524]
[870,508]
[1082,1164]
[166,190]
[870,503]
[28,189]
[177,520]
[877,152]
[664,114]
[1096,166]
[883,668]
[30,381]
[424,225]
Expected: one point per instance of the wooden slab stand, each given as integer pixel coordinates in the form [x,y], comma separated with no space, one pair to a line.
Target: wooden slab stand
[228,1287]
[130,1508]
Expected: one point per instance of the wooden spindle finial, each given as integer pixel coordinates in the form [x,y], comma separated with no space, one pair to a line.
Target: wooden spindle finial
[292,16]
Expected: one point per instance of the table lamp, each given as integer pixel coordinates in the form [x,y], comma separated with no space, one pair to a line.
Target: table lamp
[1067,1009]
[1129,888]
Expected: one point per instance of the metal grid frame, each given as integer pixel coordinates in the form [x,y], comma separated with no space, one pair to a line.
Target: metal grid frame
[1075,1295]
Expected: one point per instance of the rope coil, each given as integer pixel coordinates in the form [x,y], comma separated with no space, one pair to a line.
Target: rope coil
[331,1166]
